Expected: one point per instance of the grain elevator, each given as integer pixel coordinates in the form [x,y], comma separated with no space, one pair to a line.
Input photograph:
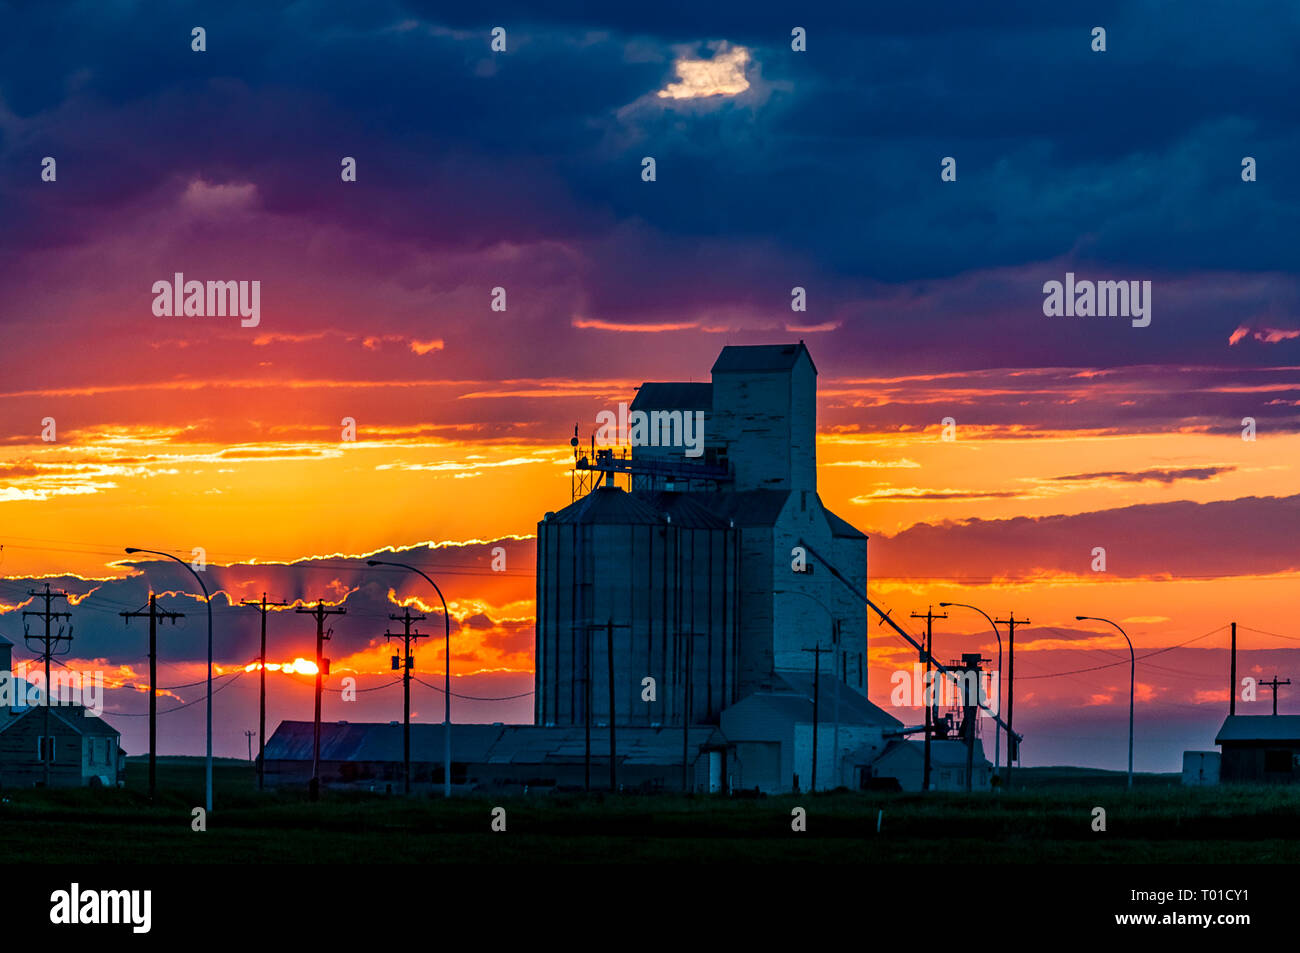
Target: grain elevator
[675,585]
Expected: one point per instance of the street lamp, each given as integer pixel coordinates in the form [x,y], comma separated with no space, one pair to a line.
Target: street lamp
[446,717]
[997,729]
[1132,672]
[131,550]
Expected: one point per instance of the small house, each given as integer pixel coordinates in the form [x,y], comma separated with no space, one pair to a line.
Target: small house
[84,750]
[905,761]
[1260,748]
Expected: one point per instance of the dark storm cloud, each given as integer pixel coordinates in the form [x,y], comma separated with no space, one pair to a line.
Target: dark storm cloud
[101,632]
[1138,399]
[1246,536]
[1123,164]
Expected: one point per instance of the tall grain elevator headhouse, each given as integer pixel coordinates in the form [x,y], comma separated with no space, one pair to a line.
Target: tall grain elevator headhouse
[681,550]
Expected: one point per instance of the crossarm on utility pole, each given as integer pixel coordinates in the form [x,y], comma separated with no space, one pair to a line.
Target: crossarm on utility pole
[897,628]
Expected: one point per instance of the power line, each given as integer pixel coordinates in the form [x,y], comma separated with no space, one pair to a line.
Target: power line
[145,714]
[376,688]
[476,698]
[1275,635]
[201,681]
[161,688]
[1097,668]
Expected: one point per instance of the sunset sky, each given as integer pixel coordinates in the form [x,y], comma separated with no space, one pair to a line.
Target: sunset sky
[522,170]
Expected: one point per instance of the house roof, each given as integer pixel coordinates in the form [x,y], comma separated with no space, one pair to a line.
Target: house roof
[378,741]
[74,716]
[941,752]
[1259,728]
[89,725]
[760,358]
[673,395]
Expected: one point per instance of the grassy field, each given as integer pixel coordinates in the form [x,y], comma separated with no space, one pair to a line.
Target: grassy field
[1046,819]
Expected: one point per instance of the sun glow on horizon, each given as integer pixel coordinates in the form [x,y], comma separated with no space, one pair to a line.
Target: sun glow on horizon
[300,666]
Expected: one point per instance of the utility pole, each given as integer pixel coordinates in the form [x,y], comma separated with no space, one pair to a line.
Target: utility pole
[261,710]
[154,614]
[839,662]
[613,763]
[320,612]
[1232,675]
[1013,748]
[248,733]
[586,691]
[928,689]
[49,649]
[407,662]
[609,626]
[688,658]
[1274,686]
[817,691]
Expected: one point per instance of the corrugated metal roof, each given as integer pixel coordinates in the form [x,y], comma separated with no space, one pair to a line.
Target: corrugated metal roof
[292,741]
[673,395]
[760,358]
[711,510]
[482,744]
[686,510]
[533,744]
[748,507]
[1259,728]
[609,506]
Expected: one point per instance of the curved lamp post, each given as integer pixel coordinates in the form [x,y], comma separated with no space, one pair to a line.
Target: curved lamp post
[446,717]
[131,550]
[1132,671]
[997,729]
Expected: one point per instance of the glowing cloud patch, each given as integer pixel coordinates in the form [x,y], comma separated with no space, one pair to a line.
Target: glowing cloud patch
[723,75]
[301,666]
[216,198]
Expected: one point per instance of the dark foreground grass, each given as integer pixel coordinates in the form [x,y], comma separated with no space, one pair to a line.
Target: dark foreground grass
[1048,821]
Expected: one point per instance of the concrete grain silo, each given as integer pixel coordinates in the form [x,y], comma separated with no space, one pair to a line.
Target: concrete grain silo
[661,569]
